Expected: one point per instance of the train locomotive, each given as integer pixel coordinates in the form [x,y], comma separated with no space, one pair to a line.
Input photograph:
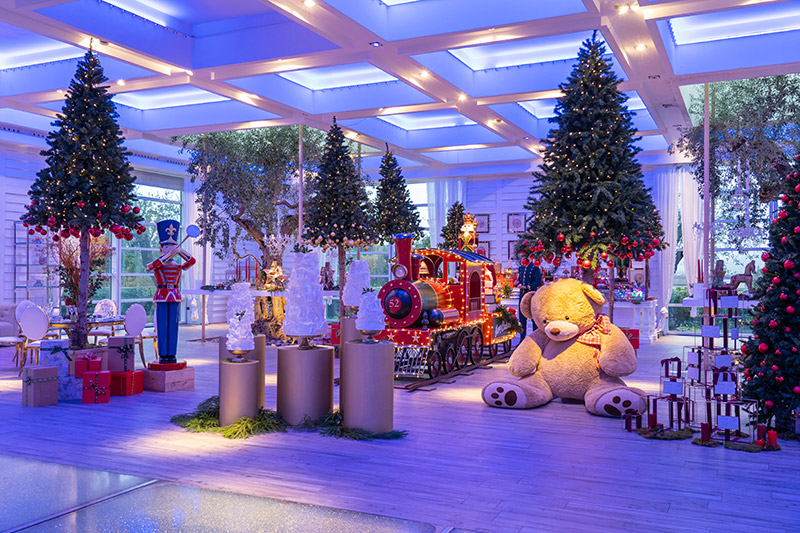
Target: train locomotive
[440,310]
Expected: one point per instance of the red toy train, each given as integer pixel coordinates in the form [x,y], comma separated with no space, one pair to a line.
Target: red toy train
[440,310]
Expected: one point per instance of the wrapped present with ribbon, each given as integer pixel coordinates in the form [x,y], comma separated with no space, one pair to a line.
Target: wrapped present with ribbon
[39,386]
[121,356]
[55,352]
[87,363]
[633,420]
[96,387]
[127,383]
[70,389]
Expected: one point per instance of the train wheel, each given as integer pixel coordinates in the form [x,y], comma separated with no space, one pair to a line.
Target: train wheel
[463,348]
[477,346]
[449,360]
[434,363]
[493,351]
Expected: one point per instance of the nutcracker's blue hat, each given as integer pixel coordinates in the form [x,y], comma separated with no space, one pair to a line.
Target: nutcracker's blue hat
[168,231]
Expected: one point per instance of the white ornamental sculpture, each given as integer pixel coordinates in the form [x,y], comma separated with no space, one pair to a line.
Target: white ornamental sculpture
[357,282]
[305,310]
[240,317]
[370,320]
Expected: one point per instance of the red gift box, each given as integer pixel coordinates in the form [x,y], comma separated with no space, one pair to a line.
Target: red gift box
[633,336]
[96,387]
[127,383]
[87,363]
[335,337]
[39,385]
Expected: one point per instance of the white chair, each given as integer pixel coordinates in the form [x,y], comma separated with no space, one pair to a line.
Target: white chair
[135,320]
[104,308]
[23,306]
[34,324]
[9,330]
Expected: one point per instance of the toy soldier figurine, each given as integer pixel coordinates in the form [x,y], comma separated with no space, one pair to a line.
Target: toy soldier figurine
[168,296]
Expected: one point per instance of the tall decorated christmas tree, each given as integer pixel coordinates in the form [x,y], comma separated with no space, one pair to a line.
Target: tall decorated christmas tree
[589,198]
[339,214]
[771,358]
[452,226]
[394,211]
[87,185]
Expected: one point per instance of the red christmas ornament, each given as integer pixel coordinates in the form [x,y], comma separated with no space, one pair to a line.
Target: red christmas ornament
[656,242]
[56,238]
[744,348]
[136,210]
[787,329]
[610,264]
[774,368]
[525,262]
[773,324]
[788,264]
[790,310]
[761,374]
[783,296]
[537,263]
[603,256]
[624,240]
[784,198]
[126,208]
[586,263]
[779,379]
[765,256]
[776,280]
[796,390]
[797,228]
[797,274]
[764,269]
[785,238]
[593,235]
[560,237]
[640,257]
[763,347]
[99,215]
[31,232]
[782,214]
[81,205]
[101,204]
[635,244]
[768,404]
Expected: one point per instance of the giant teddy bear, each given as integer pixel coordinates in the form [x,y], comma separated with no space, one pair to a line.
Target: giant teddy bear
[576,353]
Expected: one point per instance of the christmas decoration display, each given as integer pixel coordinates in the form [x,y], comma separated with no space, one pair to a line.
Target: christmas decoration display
[96,387]
[451,231]
[305,310]
[467,239]
[127,383]
[394,210]
[437,311]
[168,277]
[240,317]
[576,353]
[121,354]
[276,278]
[746,278]
[87,363]
[54,353]
[589,199]
[370,313]
[87,186]
[68,254]
[339,212]
[771,359]
[357,282]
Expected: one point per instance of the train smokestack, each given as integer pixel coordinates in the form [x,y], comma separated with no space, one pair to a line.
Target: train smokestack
[402,246]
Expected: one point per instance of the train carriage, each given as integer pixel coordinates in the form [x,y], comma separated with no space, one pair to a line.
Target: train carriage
[440,310]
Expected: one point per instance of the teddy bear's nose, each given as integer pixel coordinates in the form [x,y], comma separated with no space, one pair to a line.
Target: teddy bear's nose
[555,331]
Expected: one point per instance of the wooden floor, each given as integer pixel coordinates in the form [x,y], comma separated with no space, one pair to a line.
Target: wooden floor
[555,468]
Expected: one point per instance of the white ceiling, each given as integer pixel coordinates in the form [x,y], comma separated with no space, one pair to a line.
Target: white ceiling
[456,87]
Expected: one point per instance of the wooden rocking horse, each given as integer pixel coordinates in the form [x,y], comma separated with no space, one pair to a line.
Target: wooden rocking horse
[746,278]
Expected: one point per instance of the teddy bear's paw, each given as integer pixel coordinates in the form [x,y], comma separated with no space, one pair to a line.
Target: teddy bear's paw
[504,395]
[617,401]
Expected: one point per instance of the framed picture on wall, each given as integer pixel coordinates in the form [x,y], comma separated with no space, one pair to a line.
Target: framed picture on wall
[511,246]
[484,249]
[482,223]
[516,223]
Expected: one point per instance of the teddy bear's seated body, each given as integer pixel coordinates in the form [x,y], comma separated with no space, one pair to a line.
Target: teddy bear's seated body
[576,353]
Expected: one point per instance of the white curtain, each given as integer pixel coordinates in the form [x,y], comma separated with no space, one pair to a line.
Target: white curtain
[665,188]
[691,212]
[442,193]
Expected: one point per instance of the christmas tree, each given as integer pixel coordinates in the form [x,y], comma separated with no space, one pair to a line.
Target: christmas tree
[87,185]
[771,359]
[339,212]
[394,211]
[452,226]
[589,198]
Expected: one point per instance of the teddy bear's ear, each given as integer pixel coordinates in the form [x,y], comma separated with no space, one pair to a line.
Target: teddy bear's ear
[525,305]
[593,294]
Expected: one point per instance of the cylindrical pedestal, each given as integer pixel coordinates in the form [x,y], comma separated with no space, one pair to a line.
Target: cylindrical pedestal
[305,383]
[238,391]
[367,386]
[258,354]
[347,333]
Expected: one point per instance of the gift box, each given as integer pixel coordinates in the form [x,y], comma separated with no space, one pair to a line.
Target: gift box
[39,386]
[127,383]
[53,352]
[70,389]
[633,420]
[121,355]
[96,387]
[633,336]
[87,363]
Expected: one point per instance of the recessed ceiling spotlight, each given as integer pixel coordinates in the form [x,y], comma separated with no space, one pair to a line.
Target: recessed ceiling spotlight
[424,74]
[309,3]
[640,47]
[60,91]
[104,43]
[654,76]
[498,120]
[462,97]
[623,8]
[526,138]
[120,82]
[376,44]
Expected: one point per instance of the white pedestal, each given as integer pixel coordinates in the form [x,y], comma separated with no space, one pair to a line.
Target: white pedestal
[637,316]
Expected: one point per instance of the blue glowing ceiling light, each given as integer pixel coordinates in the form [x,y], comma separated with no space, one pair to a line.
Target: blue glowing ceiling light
[168,97]
[744,22]
[427,120]
[526,52]
[337,76]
